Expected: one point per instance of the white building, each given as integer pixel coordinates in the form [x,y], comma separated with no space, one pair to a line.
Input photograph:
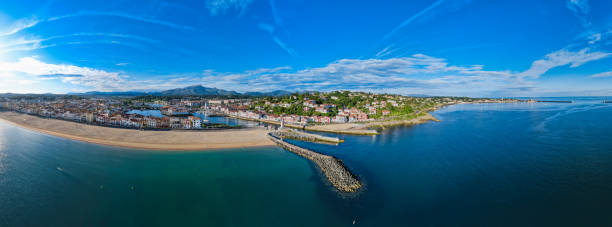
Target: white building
[196,122]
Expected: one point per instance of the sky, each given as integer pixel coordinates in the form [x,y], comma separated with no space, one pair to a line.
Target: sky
[476,48]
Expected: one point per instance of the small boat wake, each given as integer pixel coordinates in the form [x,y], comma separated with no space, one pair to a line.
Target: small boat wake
[578,109]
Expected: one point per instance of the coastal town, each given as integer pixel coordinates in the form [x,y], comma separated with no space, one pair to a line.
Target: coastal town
[189,112]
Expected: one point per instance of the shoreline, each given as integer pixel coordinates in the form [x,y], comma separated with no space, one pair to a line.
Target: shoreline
[367,128]
[150,140]
[364,128]
[315,128]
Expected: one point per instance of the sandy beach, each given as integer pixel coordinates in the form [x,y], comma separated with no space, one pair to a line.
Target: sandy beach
[130,138]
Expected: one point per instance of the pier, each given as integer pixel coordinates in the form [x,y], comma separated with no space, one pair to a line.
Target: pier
[334,170]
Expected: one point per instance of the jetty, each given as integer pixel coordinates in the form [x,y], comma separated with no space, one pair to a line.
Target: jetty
[561,101]
[555,101]
[335,171]
[297,135]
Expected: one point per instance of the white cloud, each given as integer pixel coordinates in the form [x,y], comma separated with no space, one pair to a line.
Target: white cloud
[412,18]
[581,9]
[284,46]
[418,71]
[603,74]
[275,15]
[386,51]
[19,26]
[125,16]
[88,77]
[594,38]
[217,7]
[18,75]
[21,44]
[266,27]
[561,58]
[23,24]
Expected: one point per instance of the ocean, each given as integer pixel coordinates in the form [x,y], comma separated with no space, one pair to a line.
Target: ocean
[517,164]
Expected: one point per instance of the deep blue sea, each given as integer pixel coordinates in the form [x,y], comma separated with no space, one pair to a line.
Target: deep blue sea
[541,164]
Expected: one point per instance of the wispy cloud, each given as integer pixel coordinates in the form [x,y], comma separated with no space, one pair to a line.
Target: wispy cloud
[276,29]
[284,46]
[24,24]
[19,26]
[125,16]
[398,41]
[268,70]
[59,75]
[581,9]
[561,58]
[275,15]
[603,74]
[266,27]
[122,64]
[418,71]
[21,44]
[217,7]
[273,31]
[386,51]
[412,18]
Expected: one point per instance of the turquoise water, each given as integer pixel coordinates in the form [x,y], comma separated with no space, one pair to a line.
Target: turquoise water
[483,164]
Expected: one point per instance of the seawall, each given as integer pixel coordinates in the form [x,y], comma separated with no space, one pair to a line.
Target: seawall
[334,170]
[297,135]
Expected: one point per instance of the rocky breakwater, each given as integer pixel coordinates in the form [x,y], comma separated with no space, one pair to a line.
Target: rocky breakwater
[297,135]
[334,170]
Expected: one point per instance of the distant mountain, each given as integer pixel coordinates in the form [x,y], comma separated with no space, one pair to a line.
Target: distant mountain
[272,93]
[199,90]
[119,93]
[419,95]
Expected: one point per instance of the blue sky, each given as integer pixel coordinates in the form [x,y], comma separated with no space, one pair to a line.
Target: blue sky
[435,47]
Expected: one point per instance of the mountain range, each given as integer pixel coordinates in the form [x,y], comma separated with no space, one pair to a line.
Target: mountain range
[196,90]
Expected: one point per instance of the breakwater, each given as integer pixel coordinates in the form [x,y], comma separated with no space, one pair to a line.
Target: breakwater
[297,135]
[554,101]
[333,168]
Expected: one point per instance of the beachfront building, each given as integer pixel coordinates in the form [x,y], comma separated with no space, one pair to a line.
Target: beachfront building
[196,122]
[186,123]
[151,122]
